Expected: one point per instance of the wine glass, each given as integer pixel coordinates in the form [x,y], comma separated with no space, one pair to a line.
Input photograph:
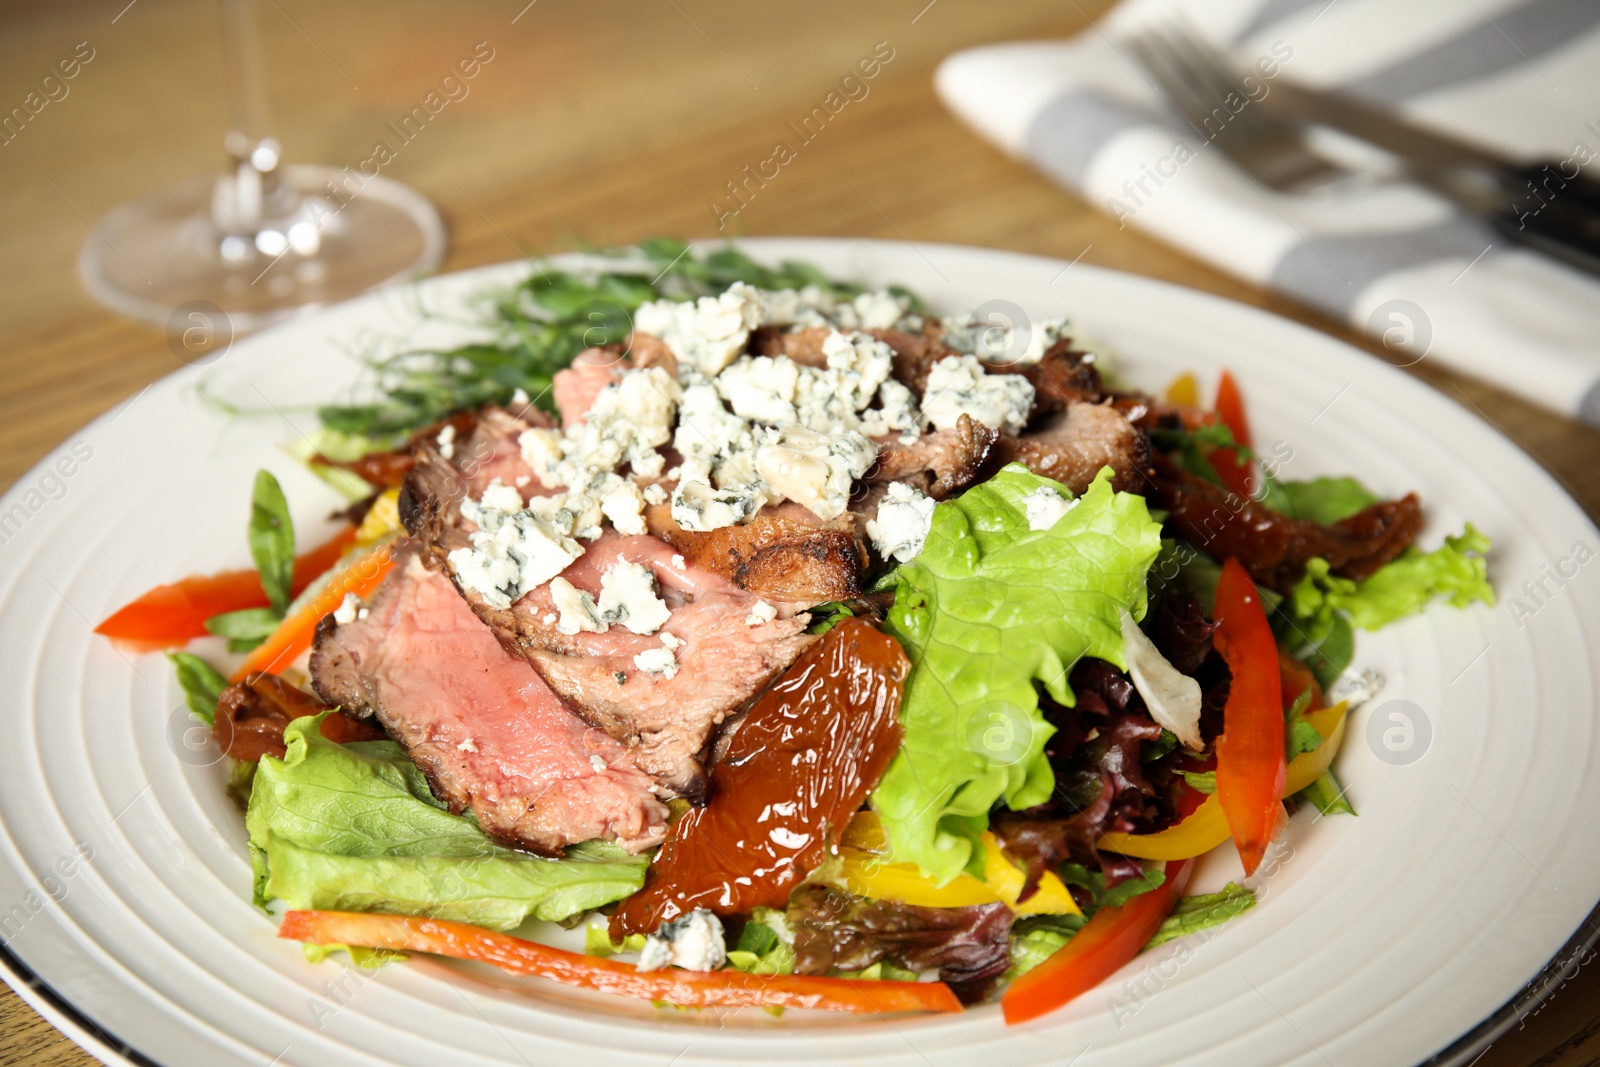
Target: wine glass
[264,240]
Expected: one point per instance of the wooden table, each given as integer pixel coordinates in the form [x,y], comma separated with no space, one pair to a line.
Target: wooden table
[595,123]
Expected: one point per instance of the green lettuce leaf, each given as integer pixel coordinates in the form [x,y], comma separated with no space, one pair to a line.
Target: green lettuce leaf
[597,941]
[1324,500]
[1457,571]
[355,828]
[989,610]
[1193,914]
[245,628]
[1328,795]
[271,536]
[766,944]
[201,683]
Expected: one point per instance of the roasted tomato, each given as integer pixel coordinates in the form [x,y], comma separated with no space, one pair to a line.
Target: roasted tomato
[798,767]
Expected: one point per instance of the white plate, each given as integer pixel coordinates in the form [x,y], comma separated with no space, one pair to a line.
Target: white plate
[1378,939]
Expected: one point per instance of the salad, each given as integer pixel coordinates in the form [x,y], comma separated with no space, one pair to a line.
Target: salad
[806,648]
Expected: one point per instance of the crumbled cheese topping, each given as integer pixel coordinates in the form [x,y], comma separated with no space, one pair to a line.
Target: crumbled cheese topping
[958,385]
[902,523]
[761,614]
[469,745]
[706,334]
[446,441]
[694,942]
[677,562]
[501,497]
[1045,507]
[814,469]
[345,613]
[658,661]
[579,612]
[520,401]
[596,762]
[512,552]
[992,339]
[627,598]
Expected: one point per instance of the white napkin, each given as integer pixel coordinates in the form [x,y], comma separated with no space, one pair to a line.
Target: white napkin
[1518,76]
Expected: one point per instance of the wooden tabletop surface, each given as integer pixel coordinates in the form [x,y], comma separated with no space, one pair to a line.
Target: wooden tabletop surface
[598,122]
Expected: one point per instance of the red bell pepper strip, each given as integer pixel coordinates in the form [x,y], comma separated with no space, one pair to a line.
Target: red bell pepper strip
[294,635]
[170,616]
[1111,938]
[1250,758]
[689,989]
[1295,678]
[1234,469]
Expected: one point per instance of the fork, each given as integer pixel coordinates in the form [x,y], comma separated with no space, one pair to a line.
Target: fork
[1197,78]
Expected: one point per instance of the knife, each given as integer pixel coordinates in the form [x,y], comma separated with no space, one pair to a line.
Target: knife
[1548,205]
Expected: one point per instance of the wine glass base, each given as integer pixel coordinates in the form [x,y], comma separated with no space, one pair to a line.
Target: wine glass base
[347,233]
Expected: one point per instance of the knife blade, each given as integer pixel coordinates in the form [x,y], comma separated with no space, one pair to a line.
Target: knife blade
[1547,205]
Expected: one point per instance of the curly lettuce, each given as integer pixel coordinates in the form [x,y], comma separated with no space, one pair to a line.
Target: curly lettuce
[1457,571]
[355,828]
[991,609]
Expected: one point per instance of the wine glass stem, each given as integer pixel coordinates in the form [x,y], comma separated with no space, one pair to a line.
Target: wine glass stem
[247,193]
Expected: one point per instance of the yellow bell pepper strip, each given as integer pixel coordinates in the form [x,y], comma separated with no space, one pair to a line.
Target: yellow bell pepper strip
[1207,826]
[1250,756]
[864,873]
[382,519]
[1184,390]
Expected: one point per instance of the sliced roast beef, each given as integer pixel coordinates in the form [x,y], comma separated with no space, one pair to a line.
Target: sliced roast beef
[490,735]
[576,386]
[803,345]
[1072,445]
[940,464]
[784,554]
[1062,376]
[664,719]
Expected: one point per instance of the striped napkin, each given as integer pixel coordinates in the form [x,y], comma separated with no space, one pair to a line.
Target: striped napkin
[1518,76]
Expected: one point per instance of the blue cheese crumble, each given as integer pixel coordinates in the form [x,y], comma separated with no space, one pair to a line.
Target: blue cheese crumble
[1045,507]
[902,523]
[512,552]
[627,598]
[345,613]
[958,385]
[706,334]
[694,942]
[662,662]
[995,339]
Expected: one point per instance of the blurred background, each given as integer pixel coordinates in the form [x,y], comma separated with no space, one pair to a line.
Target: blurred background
[592,123]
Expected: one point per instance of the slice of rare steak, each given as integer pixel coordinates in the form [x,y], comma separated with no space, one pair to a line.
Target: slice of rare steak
[480,722]
[663,708]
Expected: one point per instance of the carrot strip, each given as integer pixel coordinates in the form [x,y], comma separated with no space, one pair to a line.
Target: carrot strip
[294,635]
[689,989]
[170,616]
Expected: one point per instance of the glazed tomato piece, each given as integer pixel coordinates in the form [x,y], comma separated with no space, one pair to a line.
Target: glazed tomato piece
[800,765]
